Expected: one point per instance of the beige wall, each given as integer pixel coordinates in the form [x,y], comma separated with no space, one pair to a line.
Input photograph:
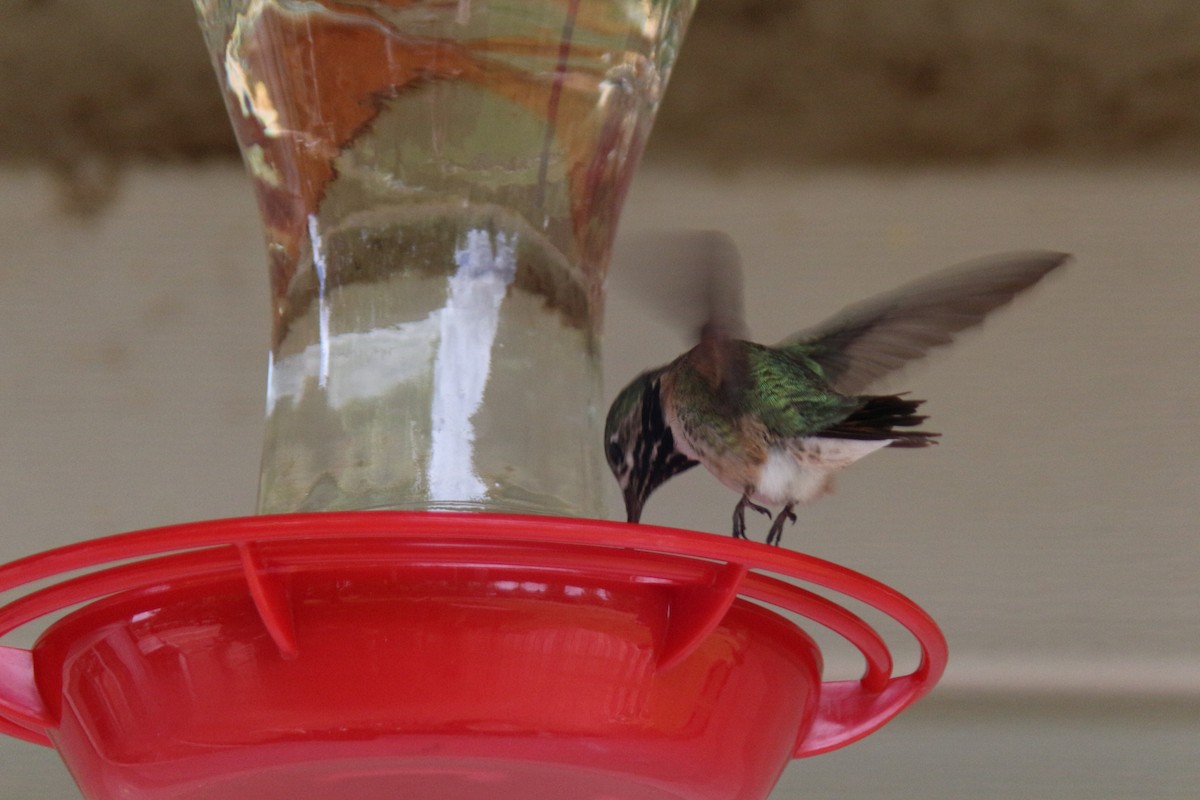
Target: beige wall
[1052,533]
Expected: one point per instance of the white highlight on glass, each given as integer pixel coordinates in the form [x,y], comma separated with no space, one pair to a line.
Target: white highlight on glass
[455,342]
[318,255]
[486,266]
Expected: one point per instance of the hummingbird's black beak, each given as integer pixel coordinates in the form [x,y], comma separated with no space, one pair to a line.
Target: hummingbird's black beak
[633,504]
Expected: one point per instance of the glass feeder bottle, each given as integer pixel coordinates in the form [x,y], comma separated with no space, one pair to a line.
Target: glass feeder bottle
[440,184]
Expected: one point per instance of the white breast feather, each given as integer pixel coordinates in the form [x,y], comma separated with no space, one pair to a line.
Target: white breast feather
[801,473]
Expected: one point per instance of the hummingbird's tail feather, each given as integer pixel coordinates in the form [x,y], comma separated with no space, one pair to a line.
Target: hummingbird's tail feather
[879,417]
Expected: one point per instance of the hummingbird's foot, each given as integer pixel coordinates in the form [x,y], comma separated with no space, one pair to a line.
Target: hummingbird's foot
[775,535]
[739,515]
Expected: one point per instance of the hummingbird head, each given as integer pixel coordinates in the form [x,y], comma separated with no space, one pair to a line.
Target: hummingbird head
[638,442]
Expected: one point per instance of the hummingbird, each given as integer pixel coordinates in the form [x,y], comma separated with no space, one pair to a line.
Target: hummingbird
[776,423]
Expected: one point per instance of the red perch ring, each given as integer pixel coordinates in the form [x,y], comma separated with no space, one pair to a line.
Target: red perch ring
[456,656]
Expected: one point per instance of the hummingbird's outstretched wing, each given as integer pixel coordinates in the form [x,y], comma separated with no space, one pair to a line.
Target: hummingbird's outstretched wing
[692,279]
[865,341]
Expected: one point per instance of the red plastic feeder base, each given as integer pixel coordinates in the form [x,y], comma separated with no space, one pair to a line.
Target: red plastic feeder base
[452,656]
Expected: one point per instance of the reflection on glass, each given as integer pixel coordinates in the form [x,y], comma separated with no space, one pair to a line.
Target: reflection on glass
[440,184]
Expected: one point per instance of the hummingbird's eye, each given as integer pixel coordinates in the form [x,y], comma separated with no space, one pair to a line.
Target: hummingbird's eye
[615,454]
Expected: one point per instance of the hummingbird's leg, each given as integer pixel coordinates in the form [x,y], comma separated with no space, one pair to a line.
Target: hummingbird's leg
[739,515]
[775,535]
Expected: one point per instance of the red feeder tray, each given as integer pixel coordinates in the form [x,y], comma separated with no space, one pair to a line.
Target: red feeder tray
[383,654]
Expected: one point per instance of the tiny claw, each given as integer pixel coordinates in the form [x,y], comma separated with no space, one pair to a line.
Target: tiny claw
[775,535]
[739,515]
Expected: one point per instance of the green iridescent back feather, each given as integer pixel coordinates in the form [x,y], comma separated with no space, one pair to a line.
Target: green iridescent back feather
[790,395]
[786,395]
